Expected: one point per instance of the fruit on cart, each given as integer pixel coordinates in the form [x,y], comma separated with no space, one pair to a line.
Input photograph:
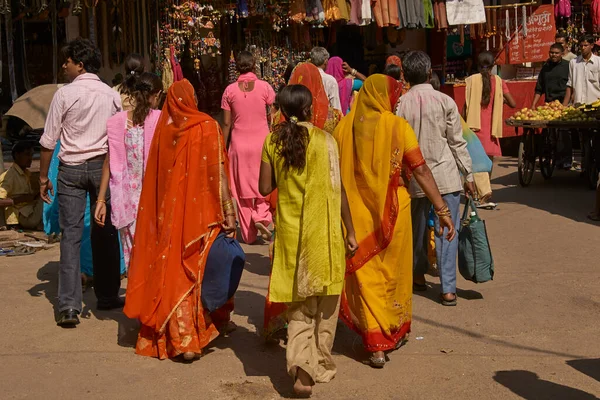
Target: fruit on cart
[546,112]
[572,114]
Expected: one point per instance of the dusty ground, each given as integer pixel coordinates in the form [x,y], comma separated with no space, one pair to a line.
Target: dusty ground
[531,333]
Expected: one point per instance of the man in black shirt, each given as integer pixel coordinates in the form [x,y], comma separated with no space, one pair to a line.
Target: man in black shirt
[552,83]
[552,80]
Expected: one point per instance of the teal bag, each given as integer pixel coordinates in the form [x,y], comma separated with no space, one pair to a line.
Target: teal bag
[475,261]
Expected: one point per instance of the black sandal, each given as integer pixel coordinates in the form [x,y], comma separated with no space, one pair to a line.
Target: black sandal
[448,303]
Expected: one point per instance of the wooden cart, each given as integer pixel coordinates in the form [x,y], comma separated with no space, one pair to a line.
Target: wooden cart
[538,140]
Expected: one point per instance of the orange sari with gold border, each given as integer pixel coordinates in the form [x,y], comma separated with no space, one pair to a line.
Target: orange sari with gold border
[180,215]
[374,146]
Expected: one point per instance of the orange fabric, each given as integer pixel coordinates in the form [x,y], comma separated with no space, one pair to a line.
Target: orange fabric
[179,217]
[308,75]
[394,60]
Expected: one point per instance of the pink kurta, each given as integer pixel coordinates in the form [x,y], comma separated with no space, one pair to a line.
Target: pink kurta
[248,133]
[491,145]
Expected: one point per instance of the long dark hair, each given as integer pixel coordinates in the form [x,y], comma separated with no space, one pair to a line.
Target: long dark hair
[485,61]
[145,86]
[134,67]
[291,139]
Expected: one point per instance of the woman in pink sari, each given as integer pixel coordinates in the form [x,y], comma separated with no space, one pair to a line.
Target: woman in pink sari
[245,104]
[349,80]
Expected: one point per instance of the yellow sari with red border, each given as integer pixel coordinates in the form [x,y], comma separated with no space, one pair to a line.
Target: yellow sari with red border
[375,146]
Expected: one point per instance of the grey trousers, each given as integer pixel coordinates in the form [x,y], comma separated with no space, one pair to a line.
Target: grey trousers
[446,252]
[74,183]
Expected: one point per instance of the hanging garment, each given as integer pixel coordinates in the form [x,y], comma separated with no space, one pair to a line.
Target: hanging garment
[386,12]
[411,14]
[177,72]
[439,11]
[314,12]
[562,9]
[336,10]
[428,16]
[595,11]
[366,14]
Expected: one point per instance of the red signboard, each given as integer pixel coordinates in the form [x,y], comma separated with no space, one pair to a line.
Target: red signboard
[535,46]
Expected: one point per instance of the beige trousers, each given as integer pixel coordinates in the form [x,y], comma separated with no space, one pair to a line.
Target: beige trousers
[483,184]
[311,330]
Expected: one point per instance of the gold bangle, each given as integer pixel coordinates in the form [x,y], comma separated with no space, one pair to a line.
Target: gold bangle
[443,212]
[101,201]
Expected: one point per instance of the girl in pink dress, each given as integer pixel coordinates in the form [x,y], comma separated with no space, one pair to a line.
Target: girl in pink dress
[245,104]
[482,96]
[130,135]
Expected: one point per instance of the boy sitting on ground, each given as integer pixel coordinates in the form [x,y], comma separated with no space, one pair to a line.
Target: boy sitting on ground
[23,204]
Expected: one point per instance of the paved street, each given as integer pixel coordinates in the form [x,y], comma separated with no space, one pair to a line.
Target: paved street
[532,333]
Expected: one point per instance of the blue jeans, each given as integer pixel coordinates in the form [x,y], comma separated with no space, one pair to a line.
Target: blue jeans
[446,252]
[75,183]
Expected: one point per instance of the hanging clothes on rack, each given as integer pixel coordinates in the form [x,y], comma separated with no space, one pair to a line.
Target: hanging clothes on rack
[411,14]
[429,19]
[336,10]
[439,12]
[385,12]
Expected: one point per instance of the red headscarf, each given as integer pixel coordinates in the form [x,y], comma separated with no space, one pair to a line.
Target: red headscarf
[308,75]
[179,211]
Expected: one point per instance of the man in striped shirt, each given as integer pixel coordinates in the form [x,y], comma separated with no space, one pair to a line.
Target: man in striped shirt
[77,117]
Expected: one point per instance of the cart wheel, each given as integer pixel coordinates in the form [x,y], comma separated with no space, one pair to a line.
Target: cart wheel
[547,159]
[526,160]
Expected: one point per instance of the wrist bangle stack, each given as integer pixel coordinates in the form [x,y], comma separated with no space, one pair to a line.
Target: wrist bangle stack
[228,207]
[353,73]
[101,201]
[443,212]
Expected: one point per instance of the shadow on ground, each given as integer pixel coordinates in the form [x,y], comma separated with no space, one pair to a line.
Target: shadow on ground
[48,287]
[435,289]
[530,386]
[258,264]
[570,195]
[589,367]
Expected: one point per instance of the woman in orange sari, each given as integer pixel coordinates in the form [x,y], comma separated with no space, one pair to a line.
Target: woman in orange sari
[185,203]
[375,146]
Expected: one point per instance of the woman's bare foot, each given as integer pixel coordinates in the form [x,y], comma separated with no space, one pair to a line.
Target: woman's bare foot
[189,356]
[304,383]
[264,231]
[377,359]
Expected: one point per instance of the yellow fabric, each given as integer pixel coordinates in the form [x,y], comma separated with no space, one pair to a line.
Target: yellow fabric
[336,10]
[473,100]
[373,145]
[303,199]
[16,182]
[321,242]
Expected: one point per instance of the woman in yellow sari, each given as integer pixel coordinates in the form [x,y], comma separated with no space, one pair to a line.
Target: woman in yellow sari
[375,147]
